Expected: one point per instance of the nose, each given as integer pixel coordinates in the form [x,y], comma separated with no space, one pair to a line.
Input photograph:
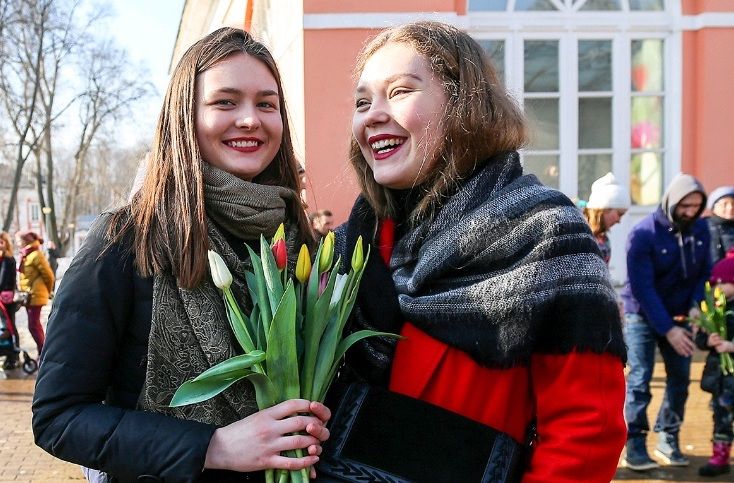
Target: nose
[248,120]
[376,114]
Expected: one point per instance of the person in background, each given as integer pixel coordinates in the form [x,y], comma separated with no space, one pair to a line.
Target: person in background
[721,221]
[668,262]
[322,221]
[138,313]
[52,253]
[37,278]
[8,282]
[493,279]
[713,380]
[608,202]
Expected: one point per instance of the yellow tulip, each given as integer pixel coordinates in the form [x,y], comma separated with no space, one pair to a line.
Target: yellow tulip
[704,307]
[221,276]
[327,252]
[303,265]
[358,255]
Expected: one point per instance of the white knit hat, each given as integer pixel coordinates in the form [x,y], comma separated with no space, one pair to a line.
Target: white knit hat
[607,193]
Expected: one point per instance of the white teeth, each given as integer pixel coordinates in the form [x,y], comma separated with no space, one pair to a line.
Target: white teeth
[243,144]
[386,143]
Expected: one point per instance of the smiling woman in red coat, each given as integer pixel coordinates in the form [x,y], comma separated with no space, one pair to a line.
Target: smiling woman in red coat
[494,280]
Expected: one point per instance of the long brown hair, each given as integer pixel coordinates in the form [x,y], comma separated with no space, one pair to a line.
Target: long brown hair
[595,219]
[481,119]
[167,214]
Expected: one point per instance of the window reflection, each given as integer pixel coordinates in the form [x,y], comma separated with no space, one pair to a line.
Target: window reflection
[487,5]
[655,5]
[597,5]
[647,65]
[542,115]
[590,168]
[595,123]
[544,5]
[495,49]
[545,167]
[646,178]
[541,65]
[595,65]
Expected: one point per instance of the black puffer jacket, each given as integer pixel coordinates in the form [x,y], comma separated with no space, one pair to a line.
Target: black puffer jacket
[722,237]
[93,370]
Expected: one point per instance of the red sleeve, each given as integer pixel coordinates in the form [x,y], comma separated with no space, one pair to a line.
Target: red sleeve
[581,429]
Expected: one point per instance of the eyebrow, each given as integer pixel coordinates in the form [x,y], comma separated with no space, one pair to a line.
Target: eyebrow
[234,90]
[393,78]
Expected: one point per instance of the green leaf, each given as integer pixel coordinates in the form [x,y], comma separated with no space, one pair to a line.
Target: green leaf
[264,390]
[238,322]
[216,379]
[341,349]
[282,358]
[271,275]
[315,324]
[257,285]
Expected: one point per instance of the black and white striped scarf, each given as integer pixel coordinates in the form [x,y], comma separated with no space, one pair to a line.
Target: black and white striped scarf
[507,268]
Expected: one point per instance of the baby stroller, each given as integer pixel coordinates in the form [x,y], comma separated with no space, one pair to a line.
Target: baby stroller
[9,343]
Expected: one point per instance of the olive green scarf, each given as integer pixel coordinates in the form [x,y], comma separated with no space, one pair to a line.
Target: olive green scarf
[189,330]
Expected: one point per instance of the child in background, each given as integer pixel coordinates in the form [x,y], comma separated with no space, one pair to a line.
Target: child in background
[719,385]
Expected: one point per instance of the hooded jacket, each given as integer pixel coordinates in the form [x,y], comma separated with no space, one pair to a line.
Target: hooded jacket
[722,237]
[668,261]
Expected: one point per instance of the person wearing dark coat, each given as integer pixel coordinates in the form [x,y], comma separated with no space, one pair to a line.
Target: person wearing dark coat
[667,266]
[721,221]
[8,283]
[137,313]
[720,385]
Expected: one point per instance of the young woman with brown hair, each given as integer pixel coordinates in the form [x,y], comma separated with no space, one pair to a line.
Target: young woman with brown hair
[137,313]
[493,279]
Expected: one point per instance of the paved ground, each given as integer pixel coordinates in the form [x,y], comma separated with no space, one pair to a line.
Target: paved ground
[22,461]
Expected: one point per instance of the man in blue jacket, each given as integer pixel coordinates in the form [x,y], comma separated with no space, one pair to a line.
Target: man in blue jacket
[668,262]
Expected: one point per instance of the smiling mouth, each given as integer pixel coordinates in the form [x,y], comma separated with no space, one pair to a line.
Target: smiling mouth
[243,144]
[385,146]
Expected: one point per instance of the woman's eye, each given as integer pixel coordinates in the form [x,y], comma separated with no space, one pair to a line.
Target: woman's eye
[267,105]
[399,91]
[361,104]
[224,102]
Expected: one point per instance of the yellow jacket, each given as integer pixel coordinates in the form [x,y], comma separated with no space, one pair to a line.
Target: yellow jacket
[37,276]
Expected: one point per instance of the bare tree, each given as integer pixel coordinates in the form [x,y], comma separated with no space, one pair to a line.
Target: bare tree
[113,89]
[23,34]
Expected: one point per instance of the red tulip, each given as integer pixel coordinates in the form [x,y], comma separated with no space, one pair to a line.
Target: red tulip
[280,254]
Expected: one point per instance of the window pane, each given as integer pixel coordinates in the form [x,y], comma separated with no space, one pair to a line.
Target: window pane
[534,5]
[646,5]
[495,5]
[601,5]
[592,167]
[646,178]
[541,66]
[545,167]
[495,49]
[595,122]
[647,122]
[647,65]
[542,115]
[595,65]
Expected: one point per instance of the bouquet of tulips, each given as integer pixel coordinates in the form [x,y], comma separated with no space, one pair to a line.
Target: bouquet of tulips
[713,320]
[292,340]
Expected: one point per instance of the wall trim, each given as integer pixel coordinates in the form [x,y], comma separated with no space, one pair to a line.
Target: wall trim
[514,21]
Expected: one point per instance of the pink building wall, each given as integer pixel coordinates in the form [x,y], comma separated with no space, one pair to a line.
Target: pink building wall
[708,98]
[707,102]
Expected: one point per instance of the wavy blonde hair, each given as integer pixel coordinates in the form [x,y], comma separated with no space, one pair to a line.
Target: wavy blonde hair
[480,120]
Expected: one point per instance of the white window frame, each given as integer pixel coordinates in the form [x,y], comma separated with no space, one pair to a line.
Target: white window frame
[568,27]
